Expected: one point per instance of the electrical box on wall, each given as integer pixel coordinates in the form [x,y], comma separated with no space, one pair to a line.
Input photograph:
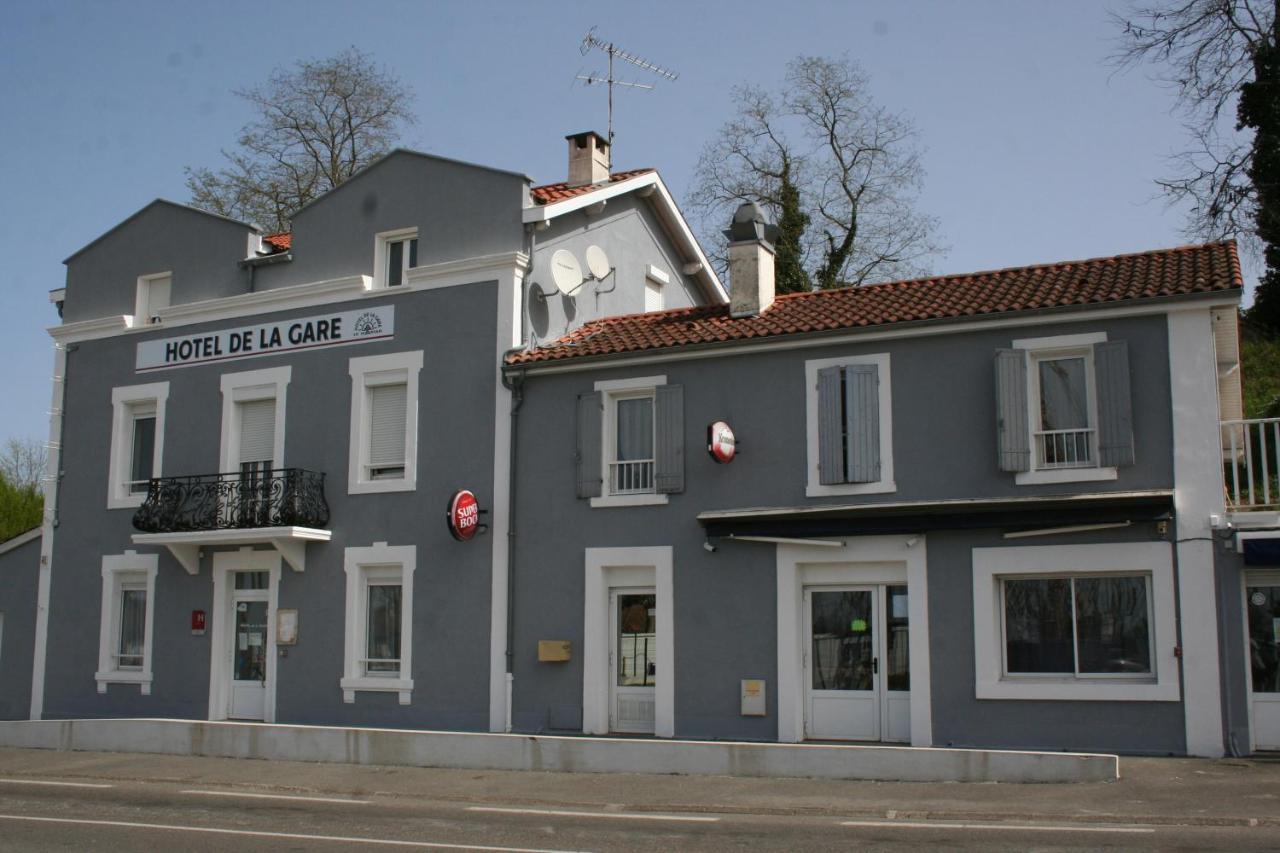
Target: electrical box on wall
[555,650]
[753,704]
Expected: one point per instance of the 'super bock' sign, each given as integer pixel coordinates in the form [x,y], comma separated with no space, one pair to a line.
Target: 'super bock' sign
[326,330]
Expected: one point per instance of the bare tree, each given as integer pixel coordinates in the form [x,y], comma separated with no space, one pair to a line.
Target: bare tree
[317,124]
[839,173]
[22,462]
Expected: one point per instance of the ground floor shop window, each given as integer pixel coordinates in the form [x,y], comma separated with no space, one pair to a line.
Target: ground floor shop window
[1081,626]
[127,616]
[379,620]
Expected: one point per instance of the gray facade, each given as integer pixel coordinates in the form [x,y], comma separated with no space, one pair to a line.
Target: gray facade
[19,574]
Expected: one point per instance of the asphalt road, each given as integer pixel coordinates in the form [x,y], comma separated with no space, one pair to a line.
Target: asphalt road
[39,813]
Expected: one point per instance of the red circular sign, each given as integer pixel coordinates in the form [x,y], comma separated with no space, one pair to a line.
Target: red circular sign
[464,515]
[721,443]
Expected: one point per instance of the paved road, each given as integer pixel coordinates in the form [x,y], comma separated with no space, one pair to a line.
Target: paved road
[53,811]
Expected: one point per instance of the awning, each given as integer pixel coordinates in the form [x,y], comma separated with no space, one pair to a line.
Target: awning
[185,546]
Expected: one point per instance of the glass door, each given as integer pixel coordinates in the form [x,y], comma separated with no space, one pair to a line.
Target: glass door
[633,657]
[842,664]
[249,644]
[1262,602]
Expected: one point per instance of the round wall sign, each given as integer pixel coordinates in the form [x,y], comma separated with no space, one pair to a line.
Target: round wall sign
[720,442]
[1258,599]
[464,515]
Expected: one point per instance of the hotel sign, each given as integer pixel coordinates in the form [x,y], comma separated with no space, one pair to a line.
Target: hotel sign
[325,330]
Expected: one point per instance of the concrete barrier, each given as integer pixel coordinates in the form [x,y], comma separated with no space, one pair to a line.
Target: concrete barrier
[478,751]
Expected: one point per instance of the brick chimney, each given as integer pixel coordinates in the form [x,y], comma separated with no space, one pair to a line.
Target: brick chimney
[751,282]
[588,158]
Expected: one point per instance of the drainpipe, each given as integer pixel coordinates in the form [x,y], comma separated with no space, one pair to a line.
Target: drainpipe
[514,384]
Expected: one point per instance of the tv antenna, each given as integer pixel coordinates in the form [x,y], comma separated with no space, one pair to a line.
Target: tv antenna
[591,40]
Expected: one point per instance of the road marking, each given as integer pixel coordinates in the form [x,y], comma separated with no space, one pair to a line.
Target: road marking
[613,815]
[297,836]
[56,784]
[277,797]
[1023,827]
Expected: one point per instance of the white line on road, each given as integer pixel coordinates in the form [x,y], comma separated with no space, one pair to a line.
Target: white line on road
[55,784]
[1023,827]
[278,797]
[614,815]
[338,839]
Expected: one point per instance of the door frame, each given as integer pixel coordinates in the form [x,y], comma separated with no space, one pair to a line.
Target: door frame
[224,563]
[862,561]
[1252,577]
[612,640]
[878,641]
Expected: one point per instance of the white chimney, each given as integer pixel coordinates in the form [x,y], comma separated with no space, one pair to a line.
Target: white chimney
[751,281]
[588,158]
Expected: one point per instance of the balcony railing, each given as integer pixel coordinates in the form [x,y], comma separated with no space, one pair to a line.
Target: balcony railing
[1251,463]
[633,477]
[1064,448]
[281,497]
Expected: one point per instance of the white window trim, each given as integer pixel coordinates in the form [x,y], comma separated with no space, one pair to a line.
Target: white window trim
[358,563]
[268,384]
[814,488]
[119,464]
[992,565]
[129,567]
[611,391]
[142,312]
[367,372]
[1059,346]
[381,240]
[654,275]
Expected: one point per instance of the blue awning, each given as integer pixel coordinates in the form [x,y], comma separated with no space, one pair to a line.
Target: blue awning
[1262,552]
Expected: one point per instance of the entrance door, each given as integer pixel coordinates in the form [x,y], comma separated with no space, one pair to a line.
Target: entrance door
[1262,602]
[633,658]
[249,625]
[857,670]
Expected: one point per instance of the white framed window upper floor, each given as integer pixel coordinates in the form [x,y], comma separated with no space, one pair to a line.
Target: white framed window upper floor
[154,293]
[126,638]
[1075,622]
[849,426]
[137,442]
[394,253]
[253,420]
[631,442]
[383,453]
[378,644]
[655,283]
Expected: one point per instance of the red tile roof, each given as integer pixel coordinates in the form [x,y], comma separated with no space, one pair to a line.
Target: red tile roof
[279,242]
[548,193]
[1167,272]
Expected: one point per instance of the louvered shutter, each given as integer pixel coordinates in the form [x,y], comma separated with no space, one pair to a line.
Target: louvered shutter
[830,427]
[1013,433]
[1115,407]
[587,458]
[669,439]
[387,415]
[257,431]
[862,412]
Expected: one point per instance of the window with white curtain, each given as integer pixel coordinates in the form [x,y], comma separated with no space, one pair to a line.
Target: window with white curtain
[378,645]
[126,638]
[137,442]
[631,453]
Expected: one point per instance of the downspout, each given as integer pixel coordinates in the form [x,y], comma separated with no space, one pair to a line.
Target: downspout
[515,385]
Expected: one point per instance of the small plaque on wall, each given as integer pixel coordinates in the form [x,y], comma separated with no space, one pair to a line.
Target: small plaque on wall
[286,627]
[753,704]
[555,651]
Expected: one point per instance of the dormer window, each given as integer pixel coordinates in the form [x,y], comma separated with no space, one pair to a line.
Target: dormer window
[153,295]
[395,254]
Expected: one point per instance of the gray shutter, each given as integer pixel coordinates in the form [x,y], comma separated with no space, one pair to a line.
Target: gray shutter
[257,431]
[1013,433]
[668,454]
[388,405]
[862,409]
[830,427]
[1115,408]
[590,483]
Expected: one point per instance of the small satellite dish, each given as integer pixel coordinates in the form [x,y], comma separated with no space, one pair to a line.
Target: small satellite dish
[566,272]
[597,262]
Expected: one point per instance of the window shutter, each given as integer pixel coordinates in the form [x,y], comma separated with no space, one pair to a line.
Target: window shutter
[387,415]
[862,409]
[669,438]
[257,431]
[830,427]
[1115,408]
[589,463]
[1013,433]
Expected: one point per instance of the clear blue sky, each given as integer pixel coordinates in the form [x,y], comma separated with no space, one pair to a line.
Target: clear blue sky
[1037,150]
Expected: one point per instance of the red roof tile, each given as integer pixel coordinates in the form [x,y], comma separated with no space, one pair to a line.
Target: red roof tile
[279,242]
[1167,272]
[548,193]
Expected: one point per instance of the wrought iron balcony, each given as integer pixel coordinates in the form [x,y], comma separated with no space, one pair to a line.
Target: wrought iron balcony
[281,497]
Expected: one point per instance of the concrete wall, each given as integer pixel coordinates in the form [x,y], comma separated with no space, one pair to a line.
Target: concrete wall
[19,573]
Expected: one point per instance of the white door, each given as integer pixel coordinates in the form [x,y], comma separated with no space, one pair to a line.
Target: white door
[249,627]
[633,657]
[1262,604]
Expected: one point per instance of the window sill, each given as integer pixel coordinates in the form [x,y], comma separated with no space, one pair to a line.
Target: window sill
[1080,690]
[883,487]
[1064,475]
[126,501]
[647,499]
[403,686]
[143,679]
[373,487]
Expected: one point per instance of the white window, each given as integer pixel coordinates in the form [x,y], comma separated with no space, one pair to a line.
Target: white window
[395,253]
[153,295]
[379,628]
[849,426]
[137,442]
[125,637]
[253,417]
[629,440]
[1087,622]
[654,282]
[384,423]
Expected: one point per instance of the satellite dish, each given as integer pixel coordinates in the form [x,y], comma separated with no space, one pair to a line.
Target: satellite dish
[597,262]
[566,272]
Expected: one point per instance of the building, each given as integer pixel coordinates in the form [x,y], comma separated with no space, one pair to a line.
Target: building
[982,510]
